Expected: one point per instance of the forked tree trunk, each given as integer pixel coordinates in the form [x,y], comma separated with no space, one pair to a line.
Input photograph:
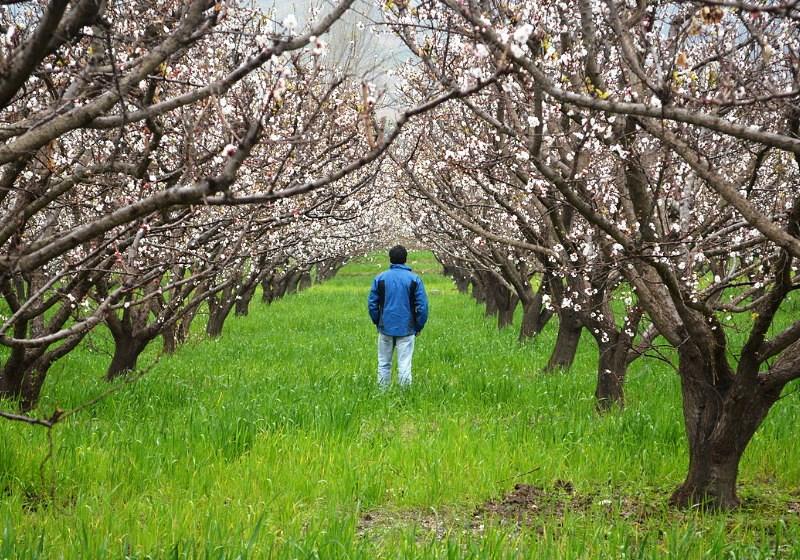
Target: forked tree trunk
[26,370]
[32,386]
[569,334]
[219,307]
[489,295]
[720,421]
[184,325]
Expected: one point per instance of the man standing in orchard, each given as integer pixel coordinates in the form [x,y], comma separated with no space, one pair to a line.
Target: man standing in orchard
[398,306]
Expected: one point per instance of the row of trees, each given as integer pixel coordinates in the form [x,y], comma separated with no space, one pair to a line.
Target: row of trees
[153,166]
[639,162]
[628,169]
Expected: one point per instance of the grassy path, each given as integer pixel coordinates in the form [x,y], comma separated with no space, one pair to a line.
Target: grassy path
[274,442]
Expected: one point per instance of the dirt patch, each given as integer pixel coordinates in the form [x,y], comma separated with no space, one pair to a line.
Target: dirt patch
[528,507]
[527,504]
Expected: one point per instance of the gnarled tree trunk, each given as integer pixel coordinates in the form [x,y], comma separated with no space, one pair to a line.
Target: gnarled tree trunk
[720,418]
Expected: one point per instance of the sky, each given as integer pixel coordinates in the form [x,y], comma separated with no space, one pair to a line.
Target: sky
[376,53]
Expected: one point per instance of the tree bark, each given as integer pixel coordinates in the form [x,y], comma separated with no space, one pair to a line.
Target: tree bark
[126,354]
[612,367]
[459,276]
[720,421]
[489,294]
[534,317]
[291,282]
[267,289]
[569,334]
[14,383]
[462,283]
[506,304]
[25,384]
[216,322]
[305,281]
[220,305]
[243,303]
[478,290]
[25,372]
[169,337]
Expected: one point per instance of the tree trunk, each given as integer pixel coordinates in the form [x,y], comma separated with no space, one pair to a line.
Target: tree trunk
[126,353]
[462,283]
[243,303]
[23,383]
[32,385]
[328,269]
[184,325]
[291,284]
[720,421]
[478,290]
[26,370]
[305,282]
[11,380]
[534,317]
[569,334]
[490,295]
[507,303]
[612,365]
[216,320]
[461,278]
[169,337]
[267,289]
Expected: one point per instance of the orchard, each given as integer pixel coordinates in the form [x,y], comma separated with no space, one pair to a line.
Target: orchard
[612,186]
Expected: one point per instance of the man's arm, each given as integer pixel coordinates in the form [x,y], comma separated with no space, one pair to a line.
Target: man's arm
[372,302]
[421,310]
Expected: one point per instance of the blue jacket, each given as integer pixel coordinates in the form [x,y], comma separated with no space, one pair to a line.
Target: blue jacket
[397,302]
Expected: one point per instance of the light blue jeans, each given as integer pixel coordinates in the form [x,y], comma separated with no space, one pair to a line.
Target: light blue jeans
[405,351]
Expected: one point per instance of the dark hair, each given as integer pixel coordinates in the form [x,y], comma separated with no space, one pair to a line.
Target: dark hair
[398,254]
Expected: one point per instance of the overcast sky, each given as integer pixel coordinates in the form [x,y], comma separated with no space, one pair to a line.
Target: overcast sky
[375,53]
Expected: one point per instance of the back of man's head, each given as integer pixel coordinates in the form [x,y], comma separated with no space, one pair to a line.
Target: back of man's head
[398,255]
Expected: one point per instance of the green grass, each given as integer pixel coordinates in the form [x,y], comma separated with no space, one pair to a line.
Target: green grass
[275,442]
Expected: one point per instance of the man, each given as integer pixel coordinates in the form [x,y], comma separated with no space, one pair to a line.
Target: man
[398,306]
